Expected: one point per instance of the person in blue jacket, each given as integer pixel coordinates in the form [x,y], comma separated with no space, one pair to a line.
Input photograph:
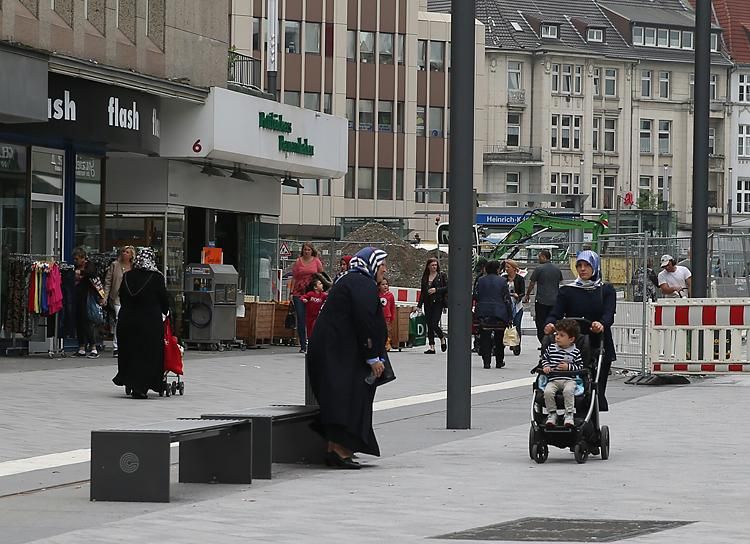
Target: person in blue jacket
[493,310]
[589,297]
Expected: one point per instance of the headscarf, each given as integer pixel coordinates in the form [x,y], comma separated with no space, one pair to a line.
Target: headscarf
[367,261]
[347,259]
[594,260]
[145,259]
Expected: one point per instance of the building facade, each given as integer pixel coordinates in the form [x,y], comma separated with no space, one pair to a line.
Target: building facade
[384,65]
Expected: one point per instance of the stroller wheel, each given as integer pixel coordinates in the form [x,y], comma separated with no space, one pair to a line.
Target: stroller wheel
[581,453]
[533,439]
[605,442]
[540,452]
[182,388]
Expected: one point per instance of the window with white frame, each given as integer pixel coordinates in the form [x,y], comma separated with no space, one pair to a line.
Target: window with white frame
[565,128]
[609,192]
[554,131]
[637,35]
[513,135]
[649,37]
[645,135]
[713,86]
[555,78]
[743,143]
[691,86]
[553,187]
[714,42]
[595,35]
[644,186]
[664,79]
[514,75]
[744,95]
[578,80]
[674,39]
[566,132]
[595,180]
[711,141]
[743,195]
[596,132]
[549,31]
[646,83]
[577,121]
[567,78]
[662,37]
[665,137]
[512,183]
[660,191]
[597,82]
[610,82]
[610,135]
[687,39]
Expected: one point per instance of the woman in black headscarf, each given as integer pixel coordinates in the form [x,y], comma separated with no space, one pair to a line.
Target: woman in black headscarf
[347,346]
[140,326]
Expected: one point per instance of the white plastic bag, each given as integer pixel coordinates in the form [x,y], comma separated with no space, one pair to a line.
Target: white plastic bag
[511,338]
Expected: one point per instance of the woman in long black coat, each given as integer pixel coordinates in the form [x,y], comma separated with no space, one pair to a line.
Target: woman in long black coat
[347,346]
[140,328]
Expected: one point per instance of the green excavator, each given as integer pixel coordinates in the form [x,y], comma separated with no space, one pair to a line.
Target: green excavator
[535,222]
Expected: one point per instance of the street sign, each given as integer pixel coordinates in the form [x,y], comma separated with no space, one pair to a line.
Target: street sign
[498,218]
[284,252]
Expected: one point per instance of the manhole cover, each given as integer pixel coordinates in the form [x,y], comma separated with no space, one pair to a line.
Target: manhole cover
[564,530]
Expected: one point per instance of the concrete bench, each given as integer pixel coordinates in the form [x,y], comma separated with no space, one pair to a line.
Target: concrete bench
[132,464]
[281,434]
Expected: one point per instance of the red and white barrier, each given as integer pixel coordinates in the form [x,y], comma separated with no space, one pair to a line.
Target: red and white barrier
[405,296]
[700,336]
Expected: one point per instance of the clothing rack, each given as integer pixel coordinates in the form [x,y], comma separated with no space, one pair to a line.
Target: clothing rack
[54,343]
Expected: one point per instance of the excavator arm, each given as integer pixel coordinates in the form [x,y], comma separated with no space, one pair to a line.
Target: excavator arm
[535,222]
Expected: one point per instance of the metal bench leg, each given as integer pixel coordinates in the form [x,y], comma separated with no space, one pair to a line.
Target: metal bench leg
[296,442]
[226,458]
[130,466]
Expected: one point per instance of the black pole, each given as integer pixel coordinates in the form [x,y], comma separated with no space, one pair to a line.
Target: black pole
[461,205]
[699,241]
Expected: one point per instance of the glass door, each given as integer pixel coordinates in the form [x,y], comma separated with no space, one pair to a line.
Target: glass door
[46,228]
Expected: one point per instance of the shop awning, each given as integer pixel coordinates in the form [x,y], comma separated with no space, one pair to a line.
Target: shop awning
[262,135]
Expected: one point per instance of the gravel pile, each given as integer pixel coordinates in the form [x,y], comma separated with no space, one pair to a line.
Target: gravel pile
[405,262]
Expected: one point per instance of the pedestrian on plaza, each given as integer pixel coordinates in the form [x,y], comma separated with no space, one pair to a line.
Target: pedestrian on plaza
[433,297]
[112,282]
[85,287]
[517,288]
[590,298]
[348,346]
[494,312]
[479,271]
[140,327]
[303,270]
[314,300]
[343,266]
[675,280]
[388,301]
[547,278]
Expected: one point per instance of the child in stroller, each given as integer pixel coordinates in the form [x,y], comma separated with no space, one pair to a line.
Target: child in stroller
[560,356]
[584,437]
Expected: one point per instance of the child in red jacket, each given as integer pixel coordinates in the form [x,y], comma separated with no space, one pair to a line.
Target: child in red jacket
[313,303]
[389,309]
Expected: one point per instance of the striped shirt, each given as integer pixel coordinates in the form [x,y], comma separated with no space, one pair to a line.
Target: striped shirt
[555,355]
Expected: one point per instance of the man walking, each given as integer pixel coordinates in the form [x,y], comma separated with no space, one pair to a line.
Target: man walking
[674,279]
[548,277]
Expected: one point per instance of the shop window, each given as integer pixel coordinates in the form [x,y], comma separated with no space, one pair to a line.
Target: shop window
[385,184]
[365,183]
[47,169]
[435,181]
[312,101]
[312,38]
[385,48]
[349,183]
[366,113]
[399,184]
[13,199]
[88,202]
[291,37]
[367,47]
[385,116]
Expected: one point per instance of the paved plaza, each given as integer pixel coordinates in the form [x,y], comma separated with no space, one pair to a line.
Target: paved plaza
[675,457]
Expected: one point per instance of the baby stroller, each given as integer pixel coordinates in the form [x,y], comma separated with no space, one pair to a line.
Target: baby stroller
[586,437]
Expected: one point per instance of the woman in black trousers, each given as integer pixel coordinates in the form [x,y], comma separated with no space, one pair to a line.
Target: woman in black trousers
[433,296]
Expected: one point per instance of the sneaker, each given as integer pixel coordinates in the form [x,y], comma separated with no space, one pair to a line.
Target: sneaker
[114,353]
[93,354]
[551,420]
[302,350]
[81,353]
[569,421]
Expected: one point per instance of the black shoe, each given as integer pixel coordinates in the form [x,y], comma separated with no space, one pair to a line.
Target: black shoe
[487,365]
[430,352]
[443,346]
[499,364]
[114,353]
[139,395]
[302,350]
[334,460]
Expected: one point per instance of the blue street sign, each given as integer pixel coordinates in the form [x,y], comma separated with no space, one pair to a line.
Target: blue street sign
[498,218]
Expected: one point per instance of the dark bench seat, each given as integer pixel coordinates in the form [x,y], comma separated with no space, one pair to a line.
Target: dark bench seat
[133,463]
[281,434]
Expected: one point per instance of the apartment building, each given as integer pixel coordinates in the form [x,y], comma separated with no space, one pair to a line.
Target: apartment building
[385,66]
[734,16]
[595,97]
